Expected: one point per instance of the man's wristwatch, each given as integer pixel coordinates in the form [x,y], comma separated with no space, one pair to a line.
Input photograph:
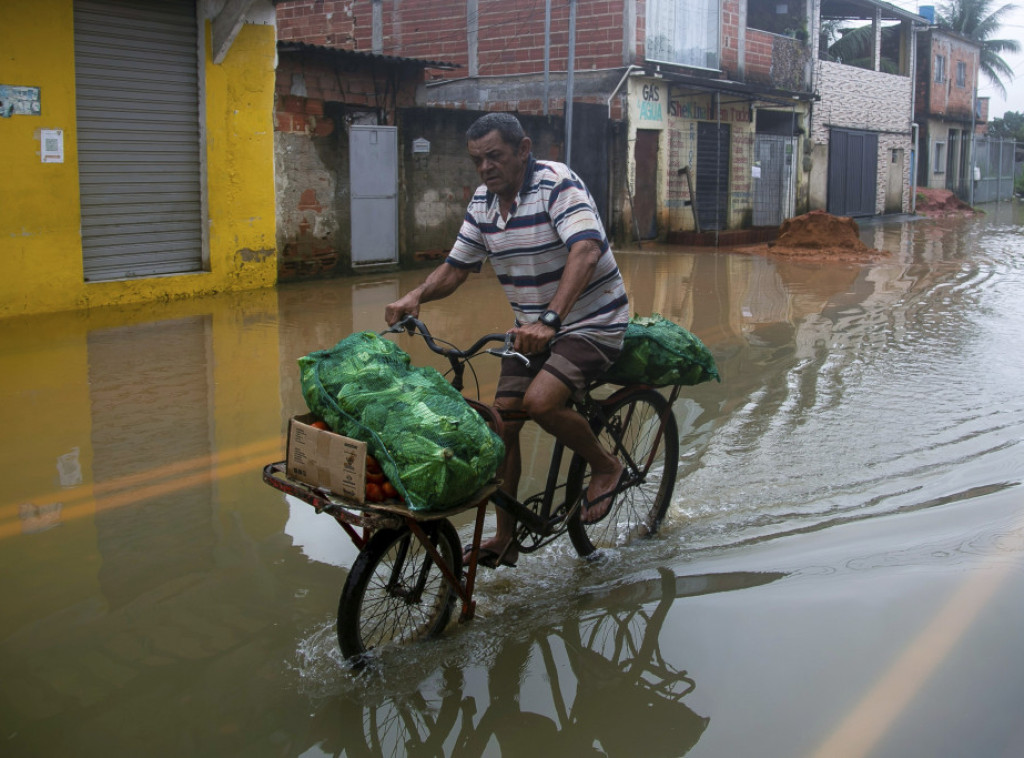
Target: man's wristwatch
[552,319]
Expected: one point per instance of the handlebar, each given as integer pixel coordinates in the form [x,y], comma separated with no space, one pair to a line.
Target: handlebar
[456,357]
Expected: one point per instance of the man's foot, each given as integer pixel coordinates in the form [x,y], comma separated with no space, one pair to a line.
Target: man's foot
[492,554]
[600,495]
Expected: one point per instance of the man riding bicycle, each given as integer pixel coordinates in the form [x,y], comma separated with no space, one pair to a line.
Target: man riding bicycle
[536,222]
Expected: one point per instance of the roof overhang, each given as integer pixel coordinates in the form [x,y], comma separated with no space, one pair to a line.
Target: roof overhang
[338,53]
[748,91]
[859,10]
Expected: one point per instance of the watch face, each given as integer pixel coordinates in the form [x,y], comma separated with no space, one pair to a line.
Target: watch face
[549,319]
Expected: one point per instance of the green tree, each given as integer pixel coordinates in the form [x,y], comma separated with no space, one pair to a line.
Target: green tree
[976,20]
[855,46]
[1009,126]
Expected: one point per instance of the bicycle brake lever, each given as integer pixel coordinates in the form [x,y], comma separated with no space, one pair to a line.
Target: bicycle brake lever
[404,323]
[508,352]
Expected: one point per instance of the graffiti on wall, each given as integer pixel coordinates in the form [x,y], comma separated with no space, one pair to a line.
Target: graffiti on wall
[703,109]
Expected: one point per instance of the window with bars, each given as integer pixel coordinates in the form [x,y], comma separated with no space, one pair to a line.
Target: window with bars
[940,69]
[961,74]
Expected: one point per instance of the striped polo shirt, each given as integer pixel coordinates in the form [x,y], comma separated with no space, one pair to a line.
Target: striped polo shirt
[529,250]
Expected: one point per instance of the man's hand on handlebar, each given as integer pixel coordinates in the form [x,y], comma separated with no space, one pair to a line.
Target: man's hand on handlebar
[404,306]
[532,339]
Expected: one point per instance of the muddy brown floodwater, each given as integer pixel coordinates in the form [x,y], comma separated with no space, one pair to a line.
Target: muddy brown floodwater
[840,573]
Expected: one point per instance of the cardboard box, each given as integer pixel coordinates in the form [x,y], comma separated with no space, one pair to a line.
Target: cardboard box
[325,459]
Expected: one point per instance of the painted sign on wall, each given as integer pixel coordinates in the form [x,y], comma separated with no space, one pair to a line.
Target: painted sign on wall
[702,108]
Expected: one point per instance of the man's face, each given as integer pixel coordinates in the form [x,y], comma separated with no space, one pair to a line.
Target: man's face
[500,165]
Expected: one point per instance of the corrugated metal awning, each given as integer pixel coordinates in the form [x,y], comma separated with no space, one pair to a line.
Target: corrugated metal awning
[293,46]
[865,10]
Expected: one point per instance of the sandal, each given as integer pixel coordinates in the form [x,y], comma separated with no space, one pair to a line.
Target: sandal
[487,557]
[586,505]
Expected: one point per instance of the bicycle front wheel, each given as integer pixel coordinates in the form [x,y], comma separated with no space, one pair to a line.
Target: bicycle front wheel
[640,429]
[395,593]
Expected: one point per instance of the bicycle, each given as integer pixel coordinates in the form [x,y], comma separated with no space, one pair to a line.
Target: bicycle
[404,583]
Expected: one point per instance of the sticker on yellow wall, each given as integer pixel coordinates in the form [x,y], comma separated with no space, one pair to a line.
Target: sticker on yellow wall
[19,101]
[51,145]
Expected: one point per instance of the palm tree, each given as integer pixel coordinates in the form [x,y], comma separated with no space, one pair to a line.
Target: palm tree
[855,47]
[976,20]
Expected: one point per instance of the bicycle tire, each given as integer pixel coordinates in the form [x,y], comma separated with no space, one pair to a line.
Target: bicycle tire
[637,511]
[373,611]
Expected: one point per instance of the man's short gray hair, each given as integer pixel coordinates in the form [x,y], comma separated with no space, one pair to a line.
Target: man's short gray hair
[505,124]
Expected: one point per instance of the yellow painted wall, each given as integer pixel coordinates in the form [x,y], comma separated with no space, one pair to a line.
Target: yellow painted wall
[40,239]
[40,212]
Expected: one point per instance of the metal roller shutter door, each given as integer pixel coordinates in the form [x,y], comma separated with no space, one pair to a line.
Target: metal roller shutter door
[137,83]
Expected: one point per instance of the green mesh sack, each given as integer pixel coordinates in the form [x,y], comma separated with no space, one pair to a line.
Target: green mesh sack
[659,352]
[433,447]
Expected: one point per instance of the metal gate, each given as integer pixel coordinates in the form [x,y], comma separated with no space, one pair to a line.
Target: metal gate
[138,130]
[712,175]
[993,163]
[852,172]
[373,177]
[774,195]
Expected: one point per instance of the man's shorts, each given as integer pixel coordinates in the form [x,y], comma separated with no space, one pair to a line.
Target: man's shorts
[573,360]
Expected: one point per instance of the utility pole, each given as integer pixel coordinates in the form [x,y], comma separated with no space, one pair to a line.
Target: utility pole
[569,82]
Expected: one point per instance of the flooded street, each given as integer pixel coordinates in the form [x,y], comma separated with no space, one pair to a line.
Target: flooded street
[841,572]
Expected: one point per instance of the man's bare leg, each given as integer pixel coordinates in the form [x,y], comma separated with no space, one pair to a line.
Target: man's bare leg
[545,401]
[503,541]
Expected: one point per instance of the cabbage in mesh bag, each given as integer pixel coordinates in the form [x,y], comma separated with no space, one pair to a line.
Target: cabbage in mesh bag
[432,445]
[659,352]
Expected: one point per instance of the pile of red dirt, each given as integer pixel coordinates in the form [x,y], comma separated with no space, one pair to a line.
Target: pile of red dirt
[820,236]
[940,202]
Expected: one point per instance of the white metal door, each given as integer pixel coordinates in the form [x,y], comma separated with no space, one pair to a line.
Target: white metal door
[373,176]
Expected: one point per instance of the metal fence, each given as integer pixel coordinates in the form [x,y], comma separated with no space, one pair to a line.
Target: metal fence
[993,170]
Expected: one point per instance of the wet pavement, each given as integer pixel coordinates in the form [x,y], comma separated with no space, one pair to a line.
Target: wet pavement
[840,574]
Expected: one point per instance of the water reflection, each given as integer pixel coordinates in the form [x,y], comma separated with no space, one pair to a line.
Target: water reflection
[598,682]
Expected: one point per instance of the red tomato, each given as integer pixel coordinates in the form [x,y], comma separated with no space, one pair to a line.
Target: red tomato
[373,493]
[372,465]
[318,424]
[389,490]
[376,478]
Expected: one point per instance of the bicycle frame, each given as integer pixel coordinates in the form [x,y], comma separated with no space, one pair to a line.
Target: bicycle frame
[540,523]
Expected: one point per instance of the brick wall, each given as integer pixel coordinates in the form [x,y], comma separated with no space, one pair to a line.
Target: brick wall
[948,98]
[322,22]
[758,56]
[729,37]
[510,35]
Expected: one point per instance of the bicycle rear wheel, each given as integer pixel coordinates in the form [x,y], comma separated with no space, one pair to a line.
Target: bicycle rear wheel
[641,431]
[395,593]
